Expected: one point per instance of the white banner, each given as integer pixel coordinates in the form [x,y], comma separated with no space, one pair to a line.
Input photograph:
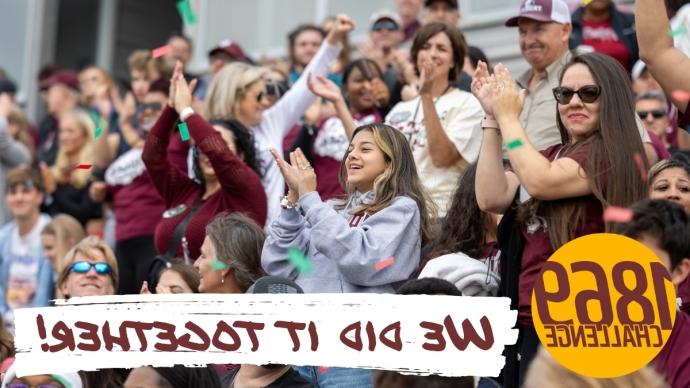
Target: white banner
[421,334]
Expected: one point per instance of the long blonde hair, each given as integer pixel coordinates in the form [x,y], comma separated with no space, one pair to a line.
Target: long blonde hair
[399,179]
[227,89]
[77,177]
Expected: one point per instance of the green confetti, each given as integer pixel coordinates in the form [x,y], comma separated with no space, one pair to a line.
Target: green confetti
[184,131]
[677,32]
[299,260]
[99,130]
[517,143]
[218,265]
[184,7]
[96,119]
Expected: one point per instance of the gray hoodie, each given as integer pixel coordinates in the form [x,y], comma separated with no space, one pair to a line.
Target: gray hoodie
[344,249]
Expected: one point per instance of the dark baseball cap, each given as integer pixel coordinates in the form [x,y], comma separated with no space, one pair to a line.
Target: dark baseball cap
[274,285]
[452,3]
[546,11]
[232,49]
[64,77]
[7,86]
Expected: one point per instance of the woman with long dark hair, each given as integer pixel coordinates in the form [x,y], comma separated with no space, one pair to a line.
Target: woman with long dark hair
[556,194]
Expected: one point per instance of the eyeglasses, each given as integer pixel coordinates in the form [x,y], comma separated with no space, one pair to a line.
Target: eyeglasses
[657,113]
[84,267]
[24,385]
[588,94]
[385,25]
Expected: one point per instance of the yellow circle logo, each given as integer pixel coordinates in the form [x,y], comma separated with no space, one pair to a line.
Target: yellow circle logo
[603,305]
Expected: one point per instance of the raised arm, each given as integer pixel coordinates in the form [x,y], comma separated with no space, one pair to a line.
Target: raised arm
[288,110]
[667,64]
[441,149]
[325,88]
[495,189]
[543,179]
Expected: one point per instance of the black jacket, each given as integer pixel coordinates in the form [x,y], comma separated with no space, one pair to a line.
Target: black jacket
[623,24]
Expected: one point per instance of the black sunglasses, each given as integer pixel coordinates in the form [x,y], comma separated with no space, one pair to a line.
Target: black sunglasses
[588,94]
[385,25]
[154,106]
[657,113]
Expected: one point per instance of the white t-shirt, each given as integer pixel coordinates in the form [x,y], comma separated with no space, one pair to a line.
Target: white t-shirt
[460,114]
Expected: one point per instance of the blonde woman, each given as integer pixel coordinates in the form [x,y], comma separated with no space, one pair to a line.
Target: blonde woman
[237,92]
[66,182]
[58,237]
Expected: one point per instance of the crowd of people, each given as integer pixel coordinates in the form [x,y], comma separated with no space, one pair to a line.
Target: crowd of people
[409,148]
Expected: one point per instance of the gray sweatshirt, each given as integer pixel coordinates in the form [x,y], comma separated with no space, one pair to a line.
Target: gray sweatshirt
[12,154]
[344,249]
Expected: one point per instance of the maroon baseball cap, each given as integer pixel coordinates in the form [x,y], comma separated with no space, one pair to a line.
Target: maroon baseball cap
[232,49]
[542,11]
[64,77]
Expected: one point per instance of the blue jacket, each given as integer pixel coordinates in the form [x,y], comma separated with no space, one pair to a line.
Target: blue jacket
[623,24]
[45,284]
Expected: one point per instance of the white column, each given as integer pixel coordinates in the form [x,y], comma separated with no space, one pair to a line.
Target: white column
[105,45]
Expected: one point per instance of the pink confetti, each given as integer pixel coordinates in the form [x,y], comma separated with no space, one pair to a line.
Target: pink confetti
[681,95]
[159,52]
[84,166]
[384,263]
[618,214]
[323,369]
[640,166]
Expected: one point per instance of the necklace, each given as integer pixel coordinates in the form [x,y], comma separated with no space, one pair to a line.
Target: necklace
[416,110]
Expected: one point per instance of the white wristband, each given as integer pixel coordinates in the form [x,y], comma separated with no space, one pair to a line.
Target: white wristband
[186,112]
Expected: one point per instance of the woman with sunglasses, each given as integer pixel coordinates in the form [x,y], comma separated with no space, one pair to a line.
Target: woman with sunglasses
[237,92]
[557,194]
[224,163]
[128,188]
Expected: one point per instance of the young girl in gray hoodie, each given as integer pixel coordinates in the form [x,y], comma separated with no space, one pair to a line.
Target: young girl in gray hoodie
[368,242]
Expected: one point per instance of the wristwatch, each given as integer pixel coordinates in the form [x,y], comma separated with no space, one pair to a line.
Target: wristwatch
[489,123]
[286,204]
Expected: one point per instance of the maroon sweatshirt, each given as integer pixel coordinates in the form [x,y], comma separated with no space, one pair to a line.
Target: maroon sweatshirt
[241,189]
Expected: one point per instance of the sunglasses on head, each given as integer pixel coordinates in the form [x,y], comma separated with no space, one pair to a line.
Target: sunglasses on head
[385,25]
[657,113]
[587,94]
[84,267]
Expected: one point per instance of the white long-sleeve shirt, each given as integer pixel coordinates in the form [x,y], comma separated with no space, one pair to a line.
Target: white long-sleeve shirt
[277,121]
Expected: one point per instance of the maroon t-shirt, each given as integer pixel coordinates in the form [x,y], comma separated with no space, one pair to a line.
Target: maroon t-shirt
[602,37]
[138,208]
[673,362]
[537,247]
[241,189]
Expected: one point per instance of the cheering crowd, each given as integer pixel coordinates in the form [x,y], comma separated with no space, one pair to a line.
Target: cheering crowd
[407,164]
